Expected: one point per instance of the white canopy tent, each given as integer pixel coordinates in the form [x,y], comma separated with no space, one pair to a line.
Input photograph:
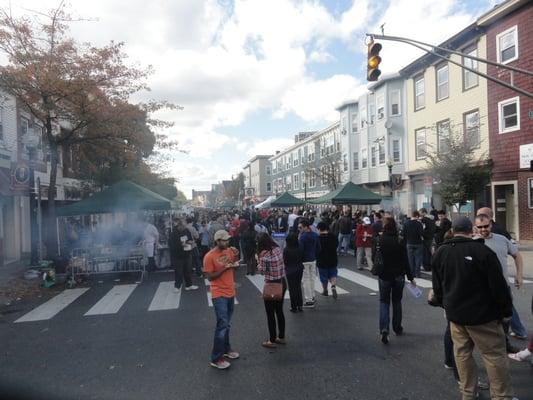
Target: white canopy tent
[266,203]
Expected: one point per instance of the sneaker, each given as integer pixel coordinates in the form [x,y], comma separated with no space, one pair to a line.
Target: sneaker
[481,385]
[192,287]
[309,304]
[518,336]
[447,366]
[232,355]
[399,332]
[385,337]
[334,292]
[520,356]
[177,290]
[220,364]
[325,293]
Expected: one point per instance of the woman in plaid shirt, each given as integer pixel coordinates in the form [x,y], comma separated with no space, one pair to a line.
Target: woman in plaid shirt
[270,264]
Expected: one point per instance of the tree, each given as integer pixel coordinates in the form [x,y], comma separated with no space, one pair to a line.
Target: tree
[78,93]
[329,170]
[460,174]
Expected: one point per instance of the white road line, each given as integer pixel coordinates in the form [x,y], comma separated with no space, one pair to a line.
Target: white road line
[53,306]
[165,297]
[359,279]
[209,298]
[259,283]
[423,283]
[318,287]
[112,301]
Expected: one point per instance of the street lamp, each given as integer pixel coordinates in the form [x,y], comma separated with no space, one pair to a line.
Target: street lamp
[390,163]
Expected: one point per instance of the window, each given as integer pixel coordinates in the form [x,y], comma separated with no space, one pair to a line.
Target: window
[268,170]
[288,182]
[471,129]
[396,150]
[420,99]
[420,143]
[345,162]
[355,122]
[269,187]
[381,107]
[295,159]
[296,181]
[372,112]
[373,154]
[344,125]
[530,192]
[356,160]
[507,45]
[442,82]
[323,175]
[312,180]
[363,117]
[469,78]
[395,103]
[443,136]
[301,155]
[311,155]
[364,158]
[509,115]
[381,153]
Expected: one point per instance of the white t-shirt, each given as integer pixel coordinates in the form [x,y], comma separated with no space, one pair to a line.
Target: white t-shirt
[151,236]
[291,219]
[502,247]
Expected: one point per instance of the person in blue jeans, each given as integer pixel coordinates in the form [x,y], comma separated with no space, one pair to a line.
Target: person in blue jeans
[391,278]
[413,233]
[219,265]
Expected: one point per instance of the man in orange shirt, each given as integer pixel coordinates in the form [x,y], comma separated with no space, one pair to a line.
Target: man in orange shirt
[219,264]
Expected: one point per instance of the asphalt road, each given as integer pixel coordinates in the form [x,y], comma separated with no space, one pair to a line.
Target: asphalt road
[333,352]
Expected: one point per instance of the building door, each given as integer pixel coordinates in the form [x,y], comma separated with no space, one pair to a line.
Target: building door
[505,207]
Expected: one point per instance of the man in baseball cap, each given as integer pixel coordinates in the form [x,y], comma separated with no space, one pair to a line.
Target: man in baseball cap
[219,264]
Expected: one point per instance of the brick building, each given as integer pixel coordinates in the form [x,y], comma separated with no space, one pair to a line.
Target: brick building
[509,35]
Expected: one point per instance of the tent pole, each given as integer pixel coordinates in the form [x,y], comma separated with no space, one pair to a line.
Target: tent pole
[58,238]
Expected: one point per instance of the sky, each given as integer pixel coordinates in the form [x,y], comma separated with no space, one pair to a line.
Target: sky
[250,74]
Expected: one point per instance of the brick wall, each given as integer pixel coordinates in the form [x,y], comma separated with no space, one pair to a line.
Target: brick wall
[505,148]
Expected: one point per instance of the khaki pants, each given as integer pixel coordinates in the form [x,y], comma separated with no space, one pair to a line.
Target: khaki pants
[309,280]
[489,339]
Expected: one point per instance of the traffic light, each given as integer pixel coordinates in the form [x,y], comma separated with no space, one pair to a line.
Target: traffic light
[373,61]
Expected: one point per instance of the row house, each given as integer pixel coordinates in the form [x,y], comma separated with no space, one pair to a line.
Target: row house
[443,99]
[312,166]
[373,140]
[509,40]
[257,179]
[23,151]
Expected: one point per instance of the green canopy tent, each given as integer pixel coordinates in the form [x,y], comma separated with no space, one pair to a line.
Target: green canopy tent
[349,193]
[124,196]
[287,200]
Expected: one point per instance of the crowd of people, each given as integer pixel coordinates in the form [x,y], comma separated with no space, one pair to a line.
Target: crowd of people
[469,264]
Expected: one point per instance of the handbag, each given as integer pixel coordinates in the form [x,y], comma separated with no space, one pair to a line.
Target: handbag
[378,267]
[272,291]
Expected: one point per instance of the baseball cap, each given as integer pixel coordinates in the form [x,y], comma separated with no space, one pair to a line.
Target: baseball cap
[462,224]
[366,221]
[221,235]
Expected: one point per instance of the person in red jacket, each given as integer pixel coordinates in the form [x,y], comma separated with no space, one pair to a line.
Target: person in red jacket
[363,243]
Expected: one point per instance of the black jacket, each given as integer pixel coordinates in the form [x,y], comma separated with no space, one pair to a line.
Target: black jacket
[327,256]
[429,228]
[345,225]
[468,282]
[293,260]
[395,261]
[413,231]
[444,226]
[174,242]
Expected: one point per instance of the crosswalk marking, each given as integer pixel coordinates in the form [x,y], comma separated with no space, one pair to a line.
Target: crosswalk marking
[511,279]
[360,279]
[259,283]
[112,301]
[423,283]
[165,297]
[319,288]
[53,306]
[210,298]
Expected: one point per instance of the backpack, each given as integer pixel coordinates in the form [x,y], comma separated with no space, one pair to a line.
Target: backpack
[379,266]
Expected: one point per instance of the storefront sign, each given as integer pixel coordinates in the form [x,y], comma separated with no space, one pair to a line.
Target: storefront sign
[526,155]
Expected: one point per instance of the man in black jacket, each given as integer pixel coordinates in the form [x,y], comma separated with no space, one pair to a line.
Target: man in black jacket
[429,233]
[443,225]
[413,233]
[468,282]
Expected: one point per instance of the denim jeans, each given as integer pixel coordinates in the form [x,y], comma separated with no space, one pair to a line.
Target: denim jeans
[387,290]
[223,310]
[344,241]
[516,325]
[415,254]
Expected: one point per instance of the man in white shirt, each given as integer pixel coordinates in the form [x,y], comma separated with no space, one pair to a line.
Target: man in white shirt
[150,239]
[292,217]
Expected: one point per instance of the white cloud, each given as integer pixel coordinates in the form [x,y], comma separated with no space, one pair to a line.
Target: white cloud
[268,146]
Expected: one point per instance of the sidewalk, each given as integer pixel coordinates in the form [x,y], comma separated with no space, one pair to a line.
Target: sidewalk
[13,286]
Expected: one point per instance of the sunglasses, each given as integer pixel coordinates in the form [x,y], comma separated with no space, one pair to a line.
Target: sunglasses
[483,226]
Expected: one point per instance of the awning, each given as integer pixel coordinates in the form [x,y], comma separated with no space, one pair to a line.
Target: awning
[287,200]
[350,193]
